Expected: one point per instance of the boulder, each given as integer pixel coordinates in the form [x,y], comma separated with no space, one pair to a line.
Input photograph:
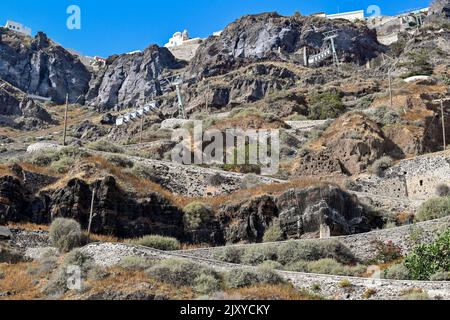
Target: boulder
[5,233]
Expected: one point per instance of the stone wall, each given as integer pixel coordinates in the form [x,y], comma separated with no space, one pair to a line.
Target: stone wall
[415,179]
[363,245]
[108,254]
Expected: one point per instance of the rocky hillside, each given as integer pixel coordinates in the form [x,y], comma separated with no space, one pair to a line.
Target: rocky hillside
[40,66]
[128,79]
[270,36]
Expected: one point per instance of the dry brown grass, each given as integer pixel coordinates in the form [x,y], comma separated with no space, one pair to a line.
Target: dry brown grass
[5,171]
[265,189]
[272,292]
[127,281]
[29,226]
[18,282]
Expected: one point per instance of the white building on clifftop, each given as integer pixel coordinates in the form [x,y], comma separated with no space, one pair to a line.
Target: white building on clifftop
[183,47]
[18,27]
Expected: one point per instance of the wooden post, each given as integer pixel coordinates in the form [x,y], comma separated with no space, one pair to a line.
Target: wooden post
[91,214]
[65,120]
[443,124]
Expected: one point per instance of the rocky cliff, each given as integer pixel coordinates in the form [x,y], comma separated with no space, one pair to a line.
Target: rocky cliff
[300,212]
[129,78]
[116,211]
[40,66]
[270,36]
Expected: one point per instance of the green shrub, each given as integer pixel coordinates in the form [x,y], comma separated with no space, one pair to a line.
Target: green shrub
[206,284]
[433,209]
[440,276]
[59,160]
[381,165]
[270,264]
[196,215]
[157,242]
[428,259]
[241,278]
[105,146]
[46,265]
[297,266]
[418,64]
[120,161]
[144,172]
[385,116]
[136,263]
[330,266]
[326,105]
[256,255]
[179,272]
[65,234]
[58,283]
[229,254]
[274,233]
[62,165]
[312,250]
[269,276]
[396,272]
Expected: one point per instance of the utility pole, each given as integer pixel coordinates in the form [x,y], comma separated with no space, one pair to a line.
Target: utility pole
[91,214]
[142,127]
[443,124]
[65,120]
[206,99]
[390,88]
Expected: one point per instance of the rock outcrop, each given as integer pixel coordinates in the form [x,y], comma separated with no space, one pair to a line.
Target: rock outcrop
[40,66]
[270,36]
[349,146]
[129,78]
[116,211]
[300,212]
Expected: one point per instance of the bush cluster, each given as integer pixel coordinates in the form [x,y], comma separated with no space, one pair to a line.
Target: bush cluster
[157,242]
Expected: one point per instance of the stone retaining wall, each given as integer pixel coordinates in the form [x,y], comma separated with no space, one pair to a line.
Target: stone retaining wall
[363,245]
[329,286]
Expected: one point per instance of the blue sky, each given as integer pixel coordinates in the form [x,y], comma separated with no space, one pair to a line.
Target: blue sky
[111,26]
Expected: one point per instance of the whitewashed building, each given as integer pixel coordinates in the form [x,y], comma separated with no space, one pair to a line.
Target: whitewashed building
[351,16]
[18,27]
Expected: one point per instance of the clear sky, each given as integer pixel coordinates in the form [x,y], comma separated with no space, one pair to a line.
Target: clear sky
[110,26]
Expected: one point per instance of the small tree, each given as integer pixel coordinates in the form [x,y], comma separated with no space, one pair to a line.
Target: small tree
[428,259]
[197,214]
[326,105]
[274,233]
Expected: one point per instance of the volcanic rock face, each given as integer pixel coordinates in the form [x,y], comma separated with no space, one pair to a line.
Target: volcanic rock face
[41,67]
[270,36]
[128,78]
[304,211]
[116,212]
[300,212]
[350,145]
